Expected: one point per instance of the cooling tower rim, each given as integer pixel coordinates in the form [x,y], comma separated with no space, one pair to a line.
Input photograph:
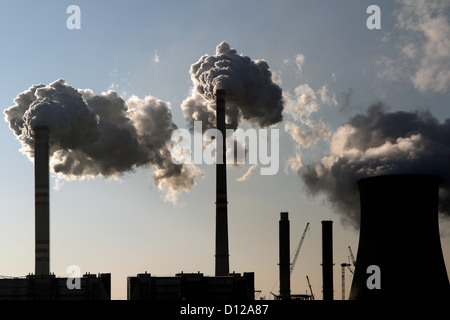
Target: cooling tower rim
[403,176]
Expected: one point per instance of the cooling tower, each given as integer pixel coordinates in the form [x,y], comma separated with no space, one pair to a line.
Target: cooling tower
[285,265]
[327,259]
[399,234]
[41,198]
[222,256]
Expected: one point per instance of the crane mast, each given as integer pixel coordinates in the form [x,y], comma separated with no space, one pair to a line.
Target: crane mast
[343,265]
[310,289]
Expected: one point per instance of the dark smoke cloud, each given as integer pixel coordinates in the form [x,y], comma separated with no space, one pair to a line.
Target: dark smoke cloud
[376,143]
[100,135]
[251,93]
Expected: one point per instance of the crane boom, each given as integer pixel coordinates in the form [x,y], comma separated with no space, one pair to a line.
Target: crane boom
[351,254]
[294,260]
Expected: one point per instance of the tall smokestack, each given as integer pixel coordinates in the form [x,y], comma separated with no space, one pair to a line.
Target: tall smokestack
[222,256]
[41,201]
[285,265]
[327,259]
[399,233]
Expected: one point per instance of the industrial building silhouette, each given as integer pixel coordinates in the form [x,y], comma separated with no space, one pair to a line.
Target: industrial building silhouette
[50,287]
[398,223]
[192,286]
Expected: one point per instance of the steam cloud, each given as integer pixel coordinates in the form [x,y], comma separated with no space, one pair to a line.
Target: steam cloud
[92,135]
[251,93]
[380,142]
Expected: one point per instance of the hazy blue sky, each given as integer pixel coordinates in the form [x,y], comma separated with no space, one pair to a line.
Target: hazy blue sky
[125,226]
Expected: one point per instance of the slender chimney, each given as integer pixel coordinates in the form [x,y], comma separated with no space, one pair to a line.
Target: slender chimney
[41,201]
[399,234]
[327,259]
[222,256]
[285,265]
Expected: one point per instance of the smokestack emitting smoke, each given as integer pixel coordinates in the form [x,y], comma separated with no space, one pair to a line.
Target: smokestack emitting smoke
[41,198]
[399,234]
[100,135]
[379,143]
[222,254]
[284,250]
[327,259]
[251,93]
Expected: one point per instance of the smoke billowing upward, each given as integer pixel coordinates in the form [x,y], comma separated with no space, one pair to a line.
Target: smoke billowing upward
[92,135]
[251,93]
[376,143]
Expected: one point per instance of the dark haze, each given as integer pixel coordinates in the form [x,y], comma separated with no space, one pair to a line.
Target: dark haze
[377,143]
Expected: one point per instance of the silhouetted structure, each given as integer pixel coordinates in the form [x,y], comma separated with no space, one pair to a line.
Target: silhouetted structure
[399,233]
[41,196]
[285,265]
[327,259]
[33,287]
[285,256]
[192,286]
[43,285]
[222,255]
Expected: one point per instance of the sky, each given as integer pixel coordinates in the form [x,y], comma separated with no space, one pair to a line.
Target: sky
[330,67]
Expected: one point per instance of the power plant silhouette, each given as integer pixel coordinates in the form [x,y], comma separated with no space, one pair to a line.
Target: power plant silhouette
[188,286]
[43,285]
[399,223]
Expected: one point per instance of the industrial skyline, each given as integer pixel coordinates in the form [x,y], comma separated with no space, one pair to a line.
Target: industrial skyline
[337,91]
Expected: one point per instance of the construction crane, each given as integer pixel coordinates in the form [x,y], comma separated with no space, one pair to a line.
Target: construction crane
[310,289]
[295,256]
[351,255]
[294,260]
[348,265]
[343,265]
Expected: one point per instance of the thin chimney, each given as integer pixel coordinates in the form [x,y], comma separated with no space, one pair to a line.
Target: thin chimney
[327,259]
[42,209]
[285,265]
[222,256]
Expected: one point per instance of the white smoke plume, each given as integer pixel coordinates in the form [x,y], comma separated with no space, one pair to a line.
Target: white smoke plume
[300,121]
[377,143]
[250,91]
[248,174]
[100,135]
[420,46]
